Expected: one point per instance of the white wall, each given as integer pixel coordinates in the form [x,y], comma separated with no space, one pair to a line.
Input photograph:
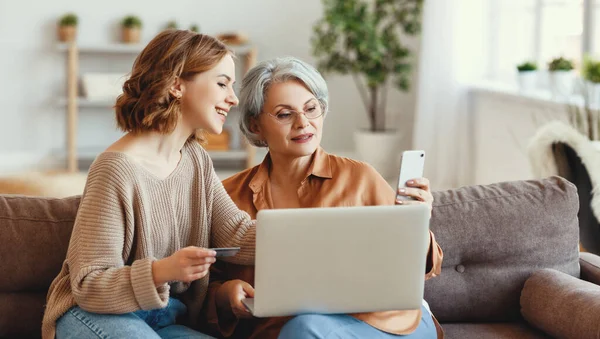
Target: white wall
[503,123]
[32,71]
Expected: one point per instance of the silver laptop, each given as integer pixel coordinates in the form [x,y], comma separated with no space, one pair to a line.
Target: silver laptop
[339,260]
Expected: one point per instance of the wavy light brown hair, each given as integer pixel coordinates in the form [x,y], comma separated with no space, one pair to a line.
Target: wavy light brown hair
[146,103]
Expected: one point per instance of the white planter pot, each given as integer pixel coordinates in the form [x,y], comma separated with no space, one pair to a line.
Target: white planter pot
[527,81]
[592,94]
[381,150]
[561,84]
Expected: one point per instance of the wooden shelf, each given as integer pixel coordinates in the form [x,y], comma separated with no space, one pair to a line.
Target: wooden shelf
[122,48]
[105,48]
[108,103]
[73,102]
[83,102]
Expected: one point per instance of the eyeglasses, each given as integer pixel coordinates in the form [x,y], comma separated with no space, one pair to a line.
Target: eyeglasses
[288,116]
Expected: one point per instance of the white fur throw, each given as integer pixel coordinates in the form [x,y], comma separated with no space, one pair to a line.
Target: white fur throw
[542,159]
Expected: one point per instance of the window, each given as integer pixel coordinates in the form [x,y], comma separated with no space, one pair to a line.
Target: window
[561,30]
[512,35]
[594,19]
[540,30]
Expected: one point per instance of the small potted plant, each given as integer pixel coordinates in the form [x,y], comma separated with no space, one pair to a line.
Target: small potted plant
[172,25]
[562,77]
[67,27]
[131,29]
[591,76]
[195,28]
[527,75]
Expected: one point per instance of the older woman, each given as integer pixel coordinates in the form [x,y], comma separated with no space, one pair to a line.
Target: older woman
[284,103]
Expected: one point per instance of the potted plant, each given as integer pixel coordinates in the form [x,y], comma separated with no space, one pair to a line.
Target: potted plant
[195,28]
[591,76]
[172,25]
[363,38]
[527,75]
[131,29]
[67,27]
[561,77]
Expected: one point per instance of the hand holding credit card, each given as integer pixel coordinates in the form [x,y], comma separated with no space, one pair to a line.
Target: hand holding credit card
[226,251]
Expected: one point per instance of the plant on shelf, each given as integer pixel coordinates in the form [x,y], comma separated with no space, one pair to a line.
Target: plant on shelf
[365,39]
[131,27]
[591,70]
[172,25]
[527,66]
[587,118]
[195,28]
[527,75]
[562,78]
[67,27]
[560,64]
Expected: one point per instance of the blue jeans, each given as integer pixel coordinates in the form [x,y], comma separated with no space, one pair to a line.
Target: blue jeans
[334,326]
[77,323]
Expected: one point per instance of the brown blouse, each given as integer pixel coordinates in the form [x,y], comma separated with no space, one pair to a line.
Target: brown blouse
[331,181]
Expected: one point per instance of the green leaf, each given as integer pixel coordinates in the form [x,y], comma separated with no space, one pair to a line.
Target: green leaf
[364,37]
[69,19]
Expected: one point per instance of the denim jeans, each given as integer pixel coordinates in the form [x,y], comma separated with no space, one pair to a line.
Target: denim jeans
[337,326]
[160,323]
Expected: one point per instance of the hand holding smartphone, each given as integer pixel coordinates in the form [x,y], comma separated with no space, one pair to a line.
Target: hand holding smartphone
[411,167]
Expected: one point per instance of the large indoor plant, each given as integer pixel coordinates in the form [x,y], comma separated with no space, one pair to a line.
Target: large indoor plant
[363,38]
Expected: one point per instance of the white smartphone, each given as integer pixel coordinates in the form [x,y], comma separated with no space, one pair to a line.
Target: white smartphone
[411,167]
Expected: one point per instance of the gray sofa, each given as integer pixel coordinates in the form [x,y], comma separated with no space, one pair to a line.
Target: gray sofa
[511,266]
[494,239]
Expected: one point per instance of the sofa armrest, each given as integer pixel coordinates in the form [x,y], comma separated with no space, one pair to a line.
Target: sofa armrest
[561,305]
[590,267]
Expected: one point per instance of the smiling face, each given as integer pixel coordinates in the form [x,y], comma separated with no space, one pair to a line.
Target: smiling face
[301,136]
[207,98]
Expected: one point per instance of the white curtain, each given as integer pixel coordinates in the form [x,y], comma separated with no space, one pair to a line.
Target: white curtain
[453,50]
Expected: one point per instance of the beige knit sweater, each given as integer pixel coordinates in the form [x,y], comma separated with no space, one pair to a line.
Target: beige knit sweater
[129,218]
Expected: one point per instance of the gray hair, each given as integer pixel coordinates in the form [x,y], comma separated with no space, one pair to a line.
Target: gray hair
[259,78]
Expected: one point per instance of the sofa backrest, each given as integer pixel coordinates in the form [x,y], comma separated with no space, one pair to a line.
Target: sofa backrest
[34,237]
[494,237]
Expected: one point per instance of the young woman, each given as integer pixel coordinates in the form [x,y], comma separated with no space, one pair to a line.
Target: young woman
[152,206]
[284,103]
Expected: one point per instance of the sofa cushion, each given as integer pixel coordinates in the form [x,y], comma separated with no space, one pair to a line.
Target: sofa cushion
[21,314]
[518,330]
[561,305]
[494,237]
[35,234]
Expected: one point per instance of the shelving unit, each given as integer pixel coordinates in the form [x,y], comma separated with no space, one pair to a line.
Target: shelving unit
[74,103]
